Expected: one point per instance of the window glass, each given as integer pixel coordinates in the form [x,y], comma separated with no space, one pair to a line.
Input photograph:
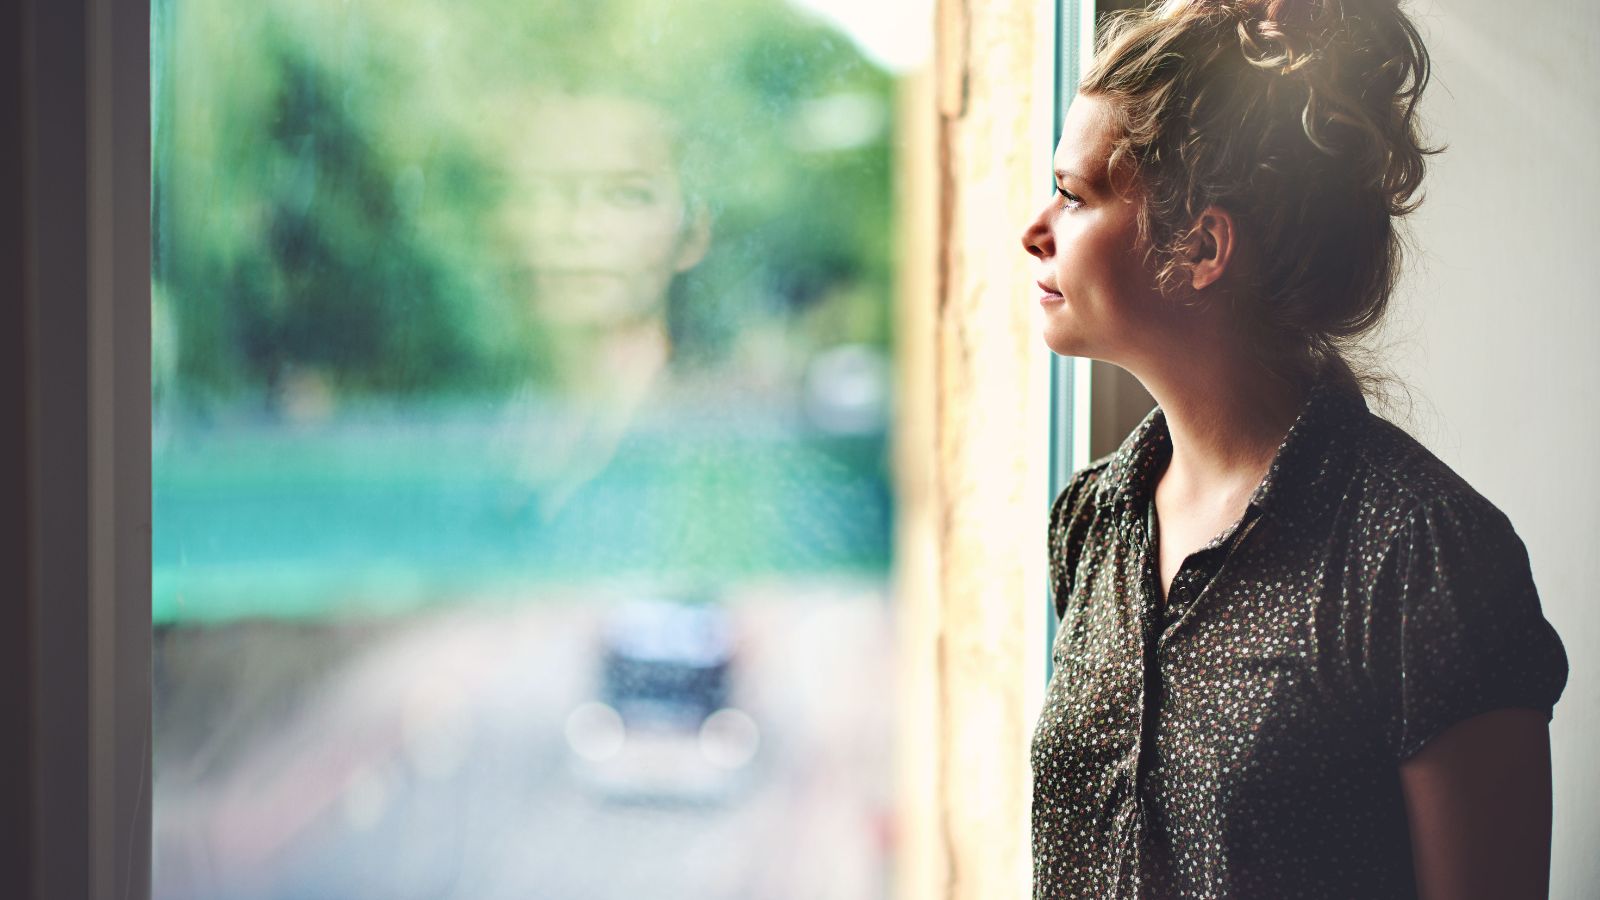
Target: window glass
[521,400]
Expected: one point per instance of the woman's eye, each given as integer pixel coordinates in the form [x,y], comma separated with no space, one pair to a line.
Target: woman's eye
[1073,200]
[631,194]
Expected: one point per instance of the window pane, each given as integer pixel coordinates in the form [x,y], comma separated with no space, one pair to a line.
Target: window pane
[522,511]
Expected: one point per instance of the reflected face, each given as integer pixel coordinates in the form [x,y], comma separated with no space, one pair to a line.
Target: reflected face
[601,210]
[1095,294]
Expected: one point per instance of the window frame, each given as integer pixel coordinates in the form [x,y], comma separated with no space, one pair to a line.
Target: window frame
[1071,379]
[84,447]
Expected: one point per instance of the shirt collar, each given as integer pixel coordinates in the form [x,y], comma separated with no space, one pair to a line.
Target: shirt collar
[1301,455]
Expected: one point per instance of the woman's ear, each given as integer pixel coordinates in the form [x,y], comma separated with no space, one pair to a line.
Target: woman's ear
[1211,247]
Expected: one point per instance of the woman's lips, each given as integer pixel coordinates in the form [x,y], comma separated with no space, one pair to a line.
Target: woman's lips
[1049,295]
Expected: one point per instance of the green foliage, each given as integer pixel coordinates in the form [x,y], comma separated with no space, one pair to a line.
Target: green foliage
[330,182]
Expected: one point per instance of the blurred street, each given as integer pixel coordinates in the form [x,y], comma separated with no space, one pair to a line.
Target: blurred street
[426,757]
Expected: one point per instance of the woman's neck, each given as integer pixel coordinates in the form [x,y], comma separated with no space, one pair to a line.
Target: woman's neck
[610,367]
[1226,420]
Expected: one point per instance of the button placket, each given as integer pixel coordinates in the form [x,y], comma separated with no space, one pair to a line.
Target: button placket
[1149,617]
[1234,541]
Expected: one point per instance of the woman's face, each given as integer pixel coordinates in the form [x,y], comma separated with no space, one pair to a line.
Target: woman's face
[602,210]
[1096,295]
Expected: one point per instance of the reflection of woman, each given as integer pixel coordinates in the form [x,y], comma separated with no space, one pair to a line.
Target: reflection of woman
[1298,656]
[607,225]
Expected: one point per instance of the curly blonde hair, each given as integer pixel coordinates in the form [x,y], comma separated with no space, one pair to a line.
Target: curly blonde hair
[1299,117]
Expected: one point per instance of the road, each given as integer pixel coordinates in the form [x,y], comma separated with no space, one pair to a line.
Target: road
[426,758]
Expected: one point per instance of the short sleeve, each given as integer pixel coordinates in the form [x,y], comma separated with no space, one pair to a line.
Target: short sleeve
[1068,513]
[1458,626]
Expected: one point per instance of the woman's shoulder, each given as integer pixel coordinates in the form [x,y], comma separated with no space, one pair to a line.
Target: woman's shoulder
[1098,483]
[1080,492]
[1072,515]
[1451,622]
[1402,482]
[1072,518]
[1076,505]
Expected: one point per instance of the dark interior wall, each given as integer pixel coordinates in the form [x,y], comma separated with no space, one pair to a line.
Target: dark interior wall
[1118,403]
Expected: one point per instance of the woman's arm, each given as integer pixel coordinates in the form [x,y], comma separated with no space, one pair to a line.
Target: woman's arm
[1478,797]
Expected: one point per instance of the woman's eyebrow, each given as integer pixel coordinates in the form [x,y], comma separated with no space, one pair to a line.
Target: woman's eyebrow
[1068,173]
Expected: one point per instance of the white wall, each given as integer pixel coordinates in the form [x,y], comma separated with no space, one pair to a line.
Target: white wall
[1498,323]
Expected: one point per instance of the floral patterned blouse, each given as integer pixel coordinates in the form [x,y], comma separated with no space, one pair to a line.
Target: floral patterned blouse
[1243,739]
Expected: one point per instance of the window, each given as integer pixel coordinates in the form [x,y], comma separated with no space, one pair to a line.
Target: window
[521,497]
[965,657]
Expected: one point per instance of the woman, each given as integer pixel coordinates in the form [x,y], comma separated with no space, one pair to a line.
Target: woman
[1297,655]
[600,172]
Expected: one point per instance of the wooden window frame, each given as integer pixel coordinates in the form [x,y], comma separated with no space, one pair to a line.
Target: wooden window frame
[992,425]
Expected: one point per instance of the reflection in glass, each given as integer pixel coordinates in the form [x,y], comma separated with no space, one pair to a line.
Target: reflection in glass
[521,397]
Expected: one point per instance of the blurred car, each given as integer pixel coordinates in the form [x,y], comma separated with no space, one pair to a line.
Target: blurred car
[661,727]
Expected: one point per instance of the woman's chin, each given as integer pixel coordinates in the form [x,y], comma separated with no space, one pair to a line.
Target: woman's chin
[1063,342]
[608,305]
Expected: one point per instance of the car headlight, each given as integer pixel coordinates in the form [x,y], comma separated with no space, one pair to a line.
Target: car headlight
[729,738]
[595,732]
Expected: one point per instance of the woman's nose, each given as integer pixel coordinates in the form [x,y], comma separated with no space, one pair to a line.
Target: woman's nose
[1036,238]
